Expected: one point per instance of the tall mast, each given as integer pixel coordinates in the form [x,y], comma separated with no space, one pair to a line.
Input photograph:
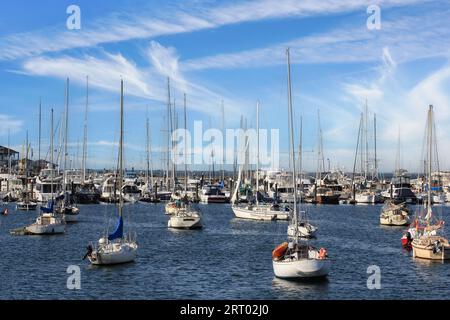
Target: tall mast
[223,146]
[257,152]
[173,128]
[366,154]
[300,149]
[375,145]
[51,155]
[9,161]
[39,142]
[185,147]
[148,153]
[121,150]
[291,139]
[66,130]
[169,122]
[430,157]
[85,131]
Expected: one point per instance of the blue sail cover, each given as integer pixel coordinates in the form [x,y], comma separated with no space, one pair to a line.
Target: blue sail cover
[49,208]
[118,233]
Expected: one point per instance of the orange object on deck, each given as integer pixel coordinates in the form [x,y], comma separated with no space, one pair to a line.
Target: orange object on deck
[322,253]
[280,250]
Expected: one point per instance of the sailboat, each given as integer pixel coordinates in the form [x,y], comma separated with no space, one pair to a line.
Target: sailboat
[184,216]
[297,259]
[117,247]
[431,243]
[256,211]
[64,206]
[48,222]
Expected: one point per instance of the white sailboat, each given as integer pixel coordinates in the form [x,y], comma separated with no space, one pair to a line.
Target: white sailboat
[184,216]
[256,211]
[431,244]
[117,247]
[297,259]
[48,222]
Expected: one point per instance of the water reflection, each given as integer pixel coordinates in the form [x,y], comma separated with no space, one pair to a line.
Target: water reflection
[300,288]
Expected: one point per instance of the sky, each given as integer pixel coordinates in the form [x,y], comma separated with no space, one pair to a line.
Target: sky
[230,51]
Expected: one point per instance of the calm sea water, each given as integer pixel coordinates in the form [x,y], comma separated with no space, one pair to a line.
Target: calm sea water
[228,259]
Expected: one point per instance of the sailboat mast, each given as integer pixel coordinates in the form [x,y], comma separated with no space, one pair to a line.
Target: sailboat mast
[185,147]
[39,142]
[257,152]
[375,145]
[168,132]
[223,146]
[9,161]
[85,131]
[66,124]
[300,156]
[430,155]
[366,134]
[52,172]
[121,150]
[291,138]
[148,153]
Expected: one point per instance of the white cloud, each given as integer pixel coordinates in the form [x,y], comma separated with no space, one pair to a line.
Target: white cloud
[171,20]
[408,38]
[147,82]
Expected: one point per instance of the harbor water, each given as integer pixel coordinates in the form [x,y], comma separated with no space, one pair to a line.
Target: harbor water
[228,259]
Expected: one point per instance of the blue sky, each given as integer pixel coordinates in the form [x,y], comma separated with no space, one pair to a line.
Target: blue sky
[235,51]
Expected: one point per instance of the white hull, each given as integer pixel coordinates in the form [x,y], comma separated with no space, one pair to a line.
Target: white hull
[46,229]
[182,221]
[213,199]
[394,220]
[263,214]
[365,198]
[114,253]
[23,206]
[425,248]
[131,197]
[303,268]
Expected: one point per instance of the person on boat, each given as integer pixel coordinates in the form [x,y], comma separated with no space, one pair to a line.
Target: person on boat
[5,211]
[322,253]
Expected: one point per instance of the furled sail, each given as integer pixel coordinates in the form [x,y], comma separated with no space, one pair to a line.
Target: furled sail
[118,233]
